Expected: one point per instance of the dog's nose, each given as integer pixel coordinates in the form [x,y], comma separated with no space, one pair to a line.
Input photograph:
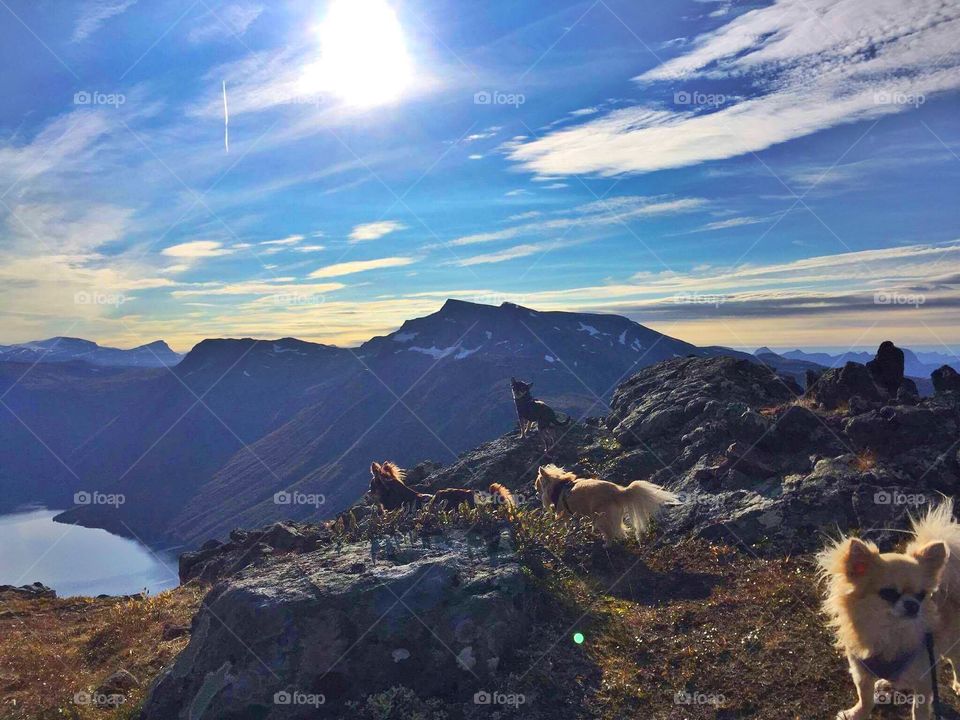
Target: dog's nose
[911,607]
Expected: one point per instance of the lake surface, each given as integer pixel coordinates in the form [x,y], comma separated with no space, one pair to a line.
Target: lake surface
[75,560]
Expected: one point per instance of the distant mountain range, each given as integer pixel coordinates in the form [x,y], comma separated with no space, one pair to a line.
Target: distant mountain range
[241,431]
[66,349]
[919,364]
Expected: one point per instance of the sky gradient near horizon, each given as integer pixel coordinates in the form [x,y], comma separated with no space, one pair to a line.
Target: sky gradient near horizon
[737,173]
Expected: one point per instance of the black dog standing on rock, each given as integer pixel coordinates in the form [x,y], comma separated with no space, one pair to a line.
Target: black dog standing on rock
[531,410]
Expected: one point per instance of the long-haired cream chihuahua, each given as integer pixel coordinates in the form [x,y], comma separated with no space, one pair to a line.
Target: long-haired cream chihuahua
[882,605]
[604,502]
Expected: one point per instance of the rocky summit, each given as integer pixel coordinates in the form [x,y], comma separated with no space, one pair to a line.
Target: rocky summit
[425,612]
[306,634]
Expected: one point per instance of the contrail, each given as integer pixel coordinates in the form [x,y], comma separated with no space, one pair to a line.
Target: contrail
[226,120]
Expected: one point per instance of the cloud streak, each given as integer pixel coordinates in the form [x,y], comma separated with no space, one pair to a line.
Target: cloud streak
[95,13]
[599,213]
[817,64]
[357,266]
[375,230]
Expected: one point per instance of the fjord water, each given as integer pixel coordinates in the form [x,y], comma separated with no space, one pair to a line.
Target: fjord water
[75,560]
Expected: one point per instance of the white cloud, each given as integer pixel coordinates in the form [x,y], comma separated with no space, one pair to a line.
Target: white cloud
[64,144]
[375,230]
[257,287]
[732,223]
[225,22]
[512,253]
[819,63]
[356,266]
[611,211]
[94,13]
[289,240]
[196,249]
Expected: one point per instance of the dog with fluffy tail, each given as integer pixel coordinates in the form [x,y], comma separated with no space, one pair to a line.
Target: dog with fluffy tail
[605,503]
[882,606]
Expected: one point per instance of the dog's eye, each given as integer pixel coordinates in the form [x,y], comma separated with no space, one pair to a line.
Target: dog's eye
[889,594]
[921,595]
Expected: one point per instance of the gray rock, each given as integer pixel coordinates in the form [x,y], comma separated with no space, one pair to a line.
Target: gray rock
[35,591]
[837,386]
[119,683]
[887,367]
[306,624]
[945,380]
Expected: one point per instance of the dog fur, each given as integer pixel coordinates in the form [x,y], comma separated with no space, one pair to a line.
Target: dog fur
[925,584]
[531,411]
[605,503]
[388,489]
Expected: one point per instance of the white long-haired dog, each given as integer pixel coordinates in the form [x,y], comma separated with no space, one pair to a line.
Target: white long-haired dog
[605,503]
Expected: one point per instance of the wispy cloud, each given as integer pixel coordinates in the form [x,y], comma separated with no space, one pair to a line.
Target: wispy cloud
[196,249]
[732,223]
[611,211]
[374,230]
[95,13]
[512,253]
[261,288]
[869,60]
[289,240]
[224,22]
[356,266]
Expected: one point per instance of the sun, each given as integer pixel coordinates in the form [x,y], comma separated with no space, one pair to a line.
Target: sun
[363,54]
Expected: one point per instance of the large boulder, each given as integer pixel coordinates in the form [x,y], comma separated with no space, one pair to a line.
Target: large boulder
[887,367]
[670,399]
[307,633]
[837,386]
[897,429]
[945,380]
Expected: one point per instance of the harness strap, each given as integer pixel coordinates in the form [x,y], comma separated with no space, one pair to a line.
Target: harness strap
[932,656]
[889,669]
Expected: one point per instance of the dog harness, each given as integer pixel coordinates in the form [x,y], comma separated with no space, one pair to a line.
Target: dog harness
[559,493]
[891,669]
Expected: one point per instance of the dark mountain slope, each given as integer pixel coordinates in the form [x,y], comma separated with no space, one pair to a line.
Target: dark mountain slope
[49,414]
[224,395]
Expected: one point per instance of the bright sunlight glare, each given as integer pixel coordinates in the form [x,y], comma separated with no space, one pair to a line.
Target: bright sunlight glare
[363,55]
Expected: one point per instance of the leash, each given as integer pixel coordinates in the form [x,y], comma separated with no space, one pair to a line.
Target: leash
[937,709]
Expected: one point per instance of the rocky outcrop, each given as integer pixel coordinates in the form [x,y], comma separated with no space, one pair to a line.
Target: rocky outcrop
[887,367]
[306,633]
[215,560]
[32,592]
[946,380]
[679,395]
[754,465]
[859,385]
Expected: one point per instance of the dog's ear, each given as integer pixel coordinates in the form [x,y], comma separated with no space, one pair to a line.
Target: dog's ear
[858,559]
[375,469]
[932,556]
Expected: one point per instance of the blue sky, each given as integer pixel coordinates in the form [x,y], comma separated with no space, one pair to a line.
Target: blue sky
[734,173]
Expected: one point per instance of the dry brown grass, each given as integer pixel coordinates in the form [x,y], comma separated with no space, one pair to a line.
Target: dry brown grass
[744,633]
[866,460]
[50,650]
